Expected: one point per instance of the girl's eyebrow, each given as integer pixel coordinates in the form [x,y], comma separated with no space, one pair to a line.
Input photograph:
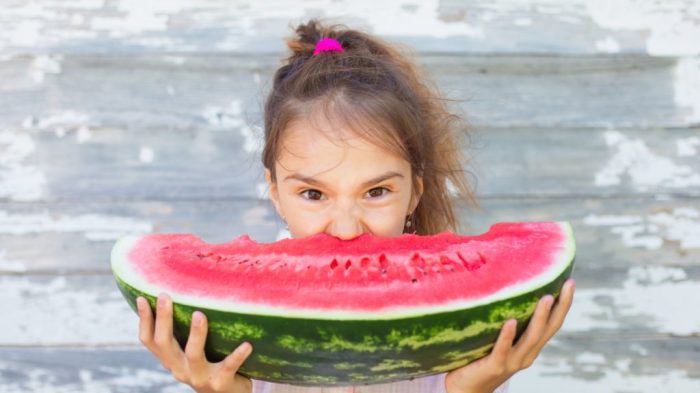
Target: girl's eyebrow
[311,180]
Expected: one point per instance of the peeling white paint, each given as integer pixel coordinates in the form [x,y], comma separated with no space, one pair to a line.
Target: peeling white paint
[522,22]
[224,117]
[393,19]
[646,170]
[19,181]
[608,45]
[640,350]
[135,16]
[664,28]
[86,315]
[687,147]
[178,60]
[107,379]
[25,33]
[656,274]
[680,225]
[253,138]
[146,155]
[62,121]
[686,86]
[590,358]
[95,227]
[43,65]
[83,134]
[648,297]
[671,27]
[623,365]
[558,375]
[7,265]
[66,118]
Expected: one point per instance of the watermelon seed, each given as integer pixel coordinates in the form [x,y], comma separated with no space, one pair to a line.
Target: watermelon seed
[464,261]
[364,262]
[383,263]
[334,264]
[414,280]
[348,264]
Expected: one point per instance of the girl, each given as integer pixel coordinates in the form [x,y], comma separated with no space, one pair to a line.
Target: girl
[356,141]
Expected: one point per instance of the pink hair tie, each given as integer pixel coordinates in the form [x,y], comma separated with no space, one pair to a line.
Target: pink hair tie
[328,45]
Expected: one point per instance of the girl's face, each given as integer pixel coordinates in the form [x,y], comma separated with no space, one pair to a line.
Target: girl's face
[344,188]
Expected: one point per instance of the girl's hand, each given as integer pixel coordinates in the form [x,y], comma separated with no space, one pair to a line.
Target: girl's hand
[488,373]
[191,366]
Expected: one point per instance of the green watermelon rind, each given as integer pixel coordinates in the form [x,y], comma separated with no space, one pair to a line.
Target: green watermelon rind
[337,352]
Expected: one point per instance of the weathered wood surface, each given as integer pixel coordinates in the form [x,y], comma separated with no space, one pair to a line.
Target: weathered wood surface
[181,92]
[117,117]
[205,163]
[477,26]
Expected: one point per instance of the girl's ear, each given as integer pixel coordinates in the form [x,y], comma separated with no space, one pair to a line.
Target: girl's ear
[415,199]
[274,192]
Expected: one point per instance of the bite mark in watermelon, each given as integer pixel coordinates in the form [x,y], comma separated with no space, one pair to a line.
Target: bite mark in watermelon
[325,311]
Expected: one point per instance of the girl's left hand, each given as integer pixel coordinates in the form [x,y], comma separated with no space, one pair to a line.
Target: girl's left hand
[488,373]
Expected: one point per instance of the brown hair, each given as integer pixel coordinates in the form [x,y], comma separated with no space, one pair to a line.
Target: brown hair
[385,99]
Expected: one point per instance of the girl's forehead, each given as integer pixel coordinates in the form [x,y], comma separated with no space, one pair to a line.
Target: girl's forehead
[311,151]
[303,139]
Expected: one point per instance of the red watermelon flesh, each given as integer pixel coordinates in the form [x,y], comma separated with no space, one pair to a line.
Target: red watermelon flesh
[327,277]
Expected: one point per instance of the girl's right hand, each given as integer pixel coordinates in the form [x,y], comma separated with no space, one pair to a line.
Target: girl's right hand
[191,366]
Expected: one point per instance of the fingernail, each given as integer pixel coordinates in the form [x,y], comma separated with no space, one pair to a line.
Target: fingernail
[197,318]
[139,303]
[544,299]
[162,301]
[244,348]
[572,283]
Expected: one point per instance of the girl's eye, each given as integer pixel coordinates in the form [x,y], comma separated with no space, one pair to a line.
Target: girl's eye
[319,194]
[314,192]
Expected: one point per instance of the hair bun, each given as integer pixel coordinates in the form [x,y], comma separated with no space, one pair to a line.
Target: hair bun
[308,34]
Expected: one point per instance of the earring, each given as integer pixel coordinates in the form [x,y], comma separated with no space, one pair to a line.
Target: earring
[409,223]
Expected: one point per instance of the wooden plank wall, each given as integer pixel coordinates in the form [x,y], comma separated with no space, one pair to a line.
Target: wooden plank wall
[121,117]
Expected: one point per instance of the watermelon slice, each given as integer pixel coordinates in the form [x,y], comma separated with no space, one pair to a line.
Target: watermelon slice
[321,311]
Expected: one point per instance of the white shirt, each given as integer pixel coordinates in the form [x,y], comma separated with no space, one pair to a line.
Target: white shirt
[430,384]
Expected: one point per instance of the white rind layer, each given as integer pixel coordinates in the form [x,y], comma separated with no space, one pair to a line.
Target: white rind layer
[122,269]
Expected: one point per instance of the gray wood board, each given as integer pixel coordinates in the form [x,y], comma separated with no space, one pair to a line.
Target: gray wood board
[209,164]
[77,237]
[182,92]
[571,27]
